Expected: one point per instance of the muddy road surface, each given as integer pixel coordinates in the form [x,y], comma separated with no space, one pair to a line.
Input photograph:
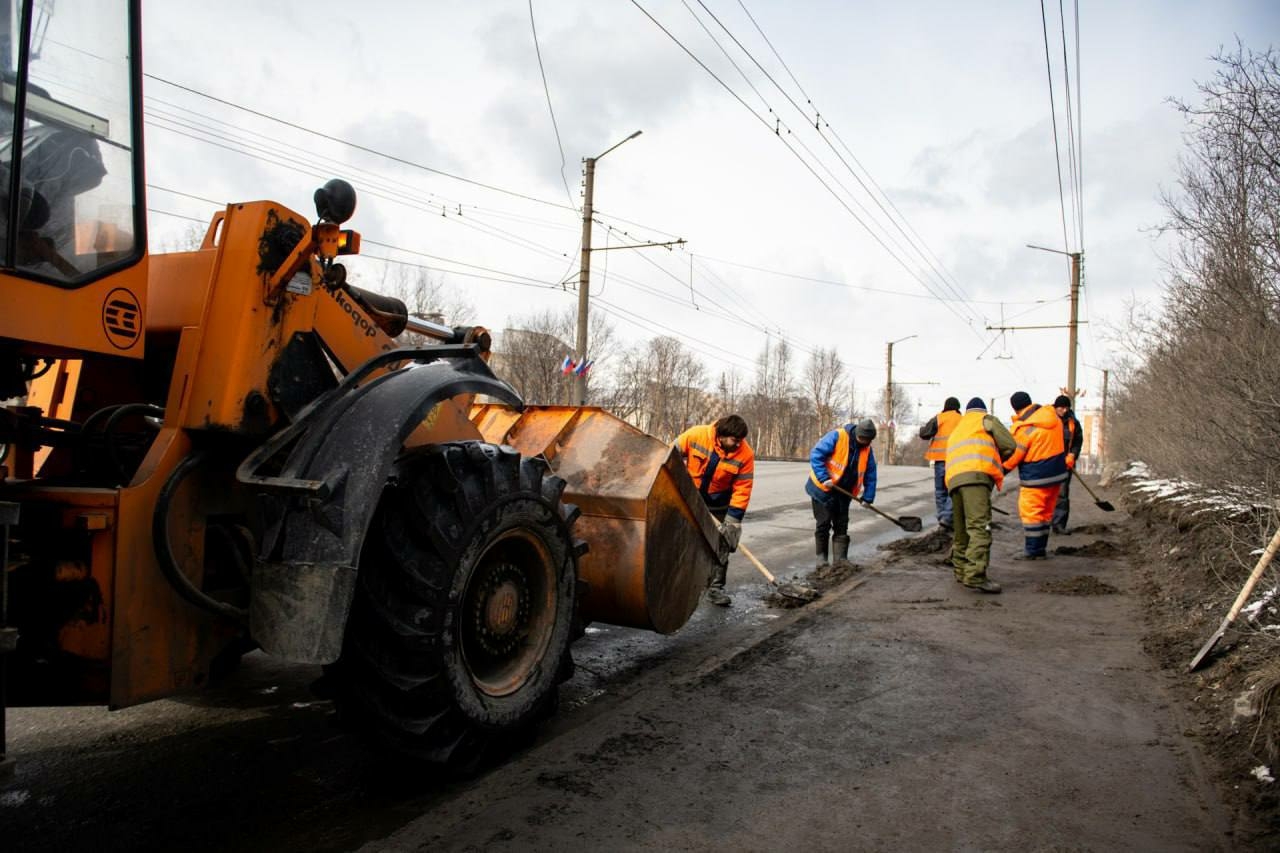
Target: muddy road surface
[899,712]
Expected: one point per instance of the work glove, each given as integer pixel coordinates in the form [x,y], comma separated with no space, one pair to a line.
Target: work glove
[827,484]
[731,532]
[1071,462]
[864,502]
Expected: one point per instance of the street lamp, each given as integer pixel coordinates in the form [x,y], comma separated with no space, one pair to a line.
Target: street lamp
[584,275]
[888,400]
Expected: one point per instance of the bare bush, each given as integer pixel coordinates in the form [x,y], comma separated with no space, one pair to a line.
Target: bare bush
[1202,398]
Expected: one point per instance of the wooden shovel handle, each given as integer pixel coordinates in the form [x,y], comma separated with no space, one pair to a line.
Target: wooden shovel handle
[759,565]
[1263,562]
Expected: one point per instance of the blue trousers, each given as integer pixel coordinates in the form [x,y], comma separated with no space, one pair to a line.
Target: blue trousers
[941,497]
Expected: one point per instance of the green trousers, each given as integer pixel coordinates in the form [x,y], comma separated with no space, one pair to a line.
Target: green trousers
[971,548]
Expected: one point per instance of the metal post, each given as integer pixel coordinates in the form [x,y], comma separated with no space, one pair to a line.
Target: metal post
[888,406]
[584,285]
[1102,432]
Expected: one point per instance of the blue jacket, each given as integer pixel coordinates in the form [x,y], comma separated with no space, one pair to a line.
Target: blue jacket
[818,464]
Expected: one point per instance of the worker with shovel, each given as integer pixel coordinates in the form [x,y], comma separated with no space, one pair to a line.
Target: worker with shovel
[723,467]
[975,452]
[1041,460]
[936,432]
[842,468]
[1073,433]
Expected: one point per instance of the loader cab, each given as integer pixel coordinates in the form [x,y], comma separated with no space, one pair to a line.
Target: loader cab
[72,210]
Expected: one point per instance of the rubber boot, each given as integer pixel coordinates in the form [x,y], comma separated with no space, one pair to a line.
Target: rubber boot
[716,594]
[841,544]
[820,551]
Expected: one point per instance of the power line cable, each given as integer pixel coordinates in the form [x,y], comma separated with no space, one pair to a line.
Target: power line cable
[1053,114]
[550,109]
[967,321]
[393,158]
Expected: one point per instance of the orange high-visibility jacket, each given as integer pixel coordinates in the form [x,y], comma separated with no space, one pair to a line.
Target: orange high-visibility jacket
[732,476]
[1041,456]
[971,449]
[937,451]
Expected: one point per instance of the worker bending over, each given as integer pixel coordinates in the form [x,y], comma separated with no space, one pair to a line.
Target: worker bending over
[842,468]
[723,468]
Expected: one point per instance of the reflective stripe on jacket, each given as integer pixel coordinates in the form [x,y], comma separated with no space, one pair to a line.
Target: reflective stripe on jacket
[830,458]
[947,421]
[972,450]
[1041,455]
[733,475]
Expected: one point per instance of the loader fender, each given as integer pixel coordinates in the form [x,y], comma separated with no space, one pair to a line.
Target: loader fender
[340,454]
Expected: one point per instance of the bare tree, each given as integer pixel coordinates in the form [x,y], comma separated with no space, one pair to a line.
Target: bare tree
[824,375]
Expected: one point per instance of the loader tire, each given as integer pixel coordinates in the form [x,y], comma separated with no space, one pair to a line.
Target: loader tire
[459,631]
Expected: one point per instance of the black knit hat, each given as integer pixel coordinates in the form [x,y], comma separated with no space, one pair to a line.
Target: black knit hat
[976,405]
[866,429]
[1020,400]
[951,405]
[1063,402]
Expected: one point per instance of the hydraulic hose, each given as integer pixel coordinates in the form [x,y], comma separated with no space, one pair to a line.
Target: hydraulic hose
[164,550]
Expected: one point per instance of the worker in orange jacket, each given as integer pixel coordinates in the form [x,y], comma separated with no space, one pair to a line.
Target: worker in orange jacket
[975,452]
[936,431]
[1041,460]
[723,467]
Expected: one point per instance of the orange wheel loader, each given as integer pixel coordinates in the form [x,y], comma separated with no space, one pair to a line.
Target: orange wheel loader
[227,449]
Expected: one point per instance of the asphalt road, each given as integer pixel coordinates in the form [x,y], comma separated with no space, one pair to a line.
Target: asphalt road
[900,712]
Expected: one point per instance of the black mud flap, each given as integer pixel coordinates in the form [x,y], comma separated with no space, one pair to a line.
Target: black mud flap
[337,457]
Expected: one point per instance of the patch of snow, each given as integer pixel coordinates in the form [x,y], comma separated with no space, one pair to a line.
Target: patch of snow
[1263,773]
[1251,612]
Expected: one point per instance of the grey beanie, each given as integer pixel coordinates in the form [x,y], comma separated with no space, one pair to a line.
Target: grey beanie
[866,429]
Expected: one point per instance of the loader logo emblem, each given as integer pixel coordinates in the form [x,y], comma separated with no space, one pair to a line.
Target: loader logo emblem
[361,322]
[122,318]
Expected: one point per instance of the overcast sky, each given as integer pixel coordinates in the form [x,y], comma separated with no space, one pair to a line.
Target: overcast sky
[943,106]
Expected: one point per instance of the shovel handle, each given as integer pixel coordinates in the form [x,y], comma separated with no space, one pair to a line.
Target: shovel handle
[871,507]
[1086,485]
[1263,562]
[759,565]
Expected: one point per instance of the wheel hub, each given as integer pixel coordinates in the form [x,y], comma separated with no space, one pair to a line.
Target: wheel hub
[501,613]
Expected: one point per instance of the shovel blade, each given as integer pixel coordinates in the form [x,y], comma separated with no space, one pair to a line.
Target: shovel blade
[911,523]
[1106,506]
[1205,649]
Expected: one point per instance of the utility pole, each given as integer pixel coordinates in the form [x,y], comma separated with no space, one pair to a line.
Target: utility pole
[1073,324]
[584,273]
[1073,333]
[584,284]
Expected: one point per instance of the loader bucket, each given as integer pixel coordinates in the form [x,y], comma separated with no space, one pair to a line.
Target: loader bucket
[652,542]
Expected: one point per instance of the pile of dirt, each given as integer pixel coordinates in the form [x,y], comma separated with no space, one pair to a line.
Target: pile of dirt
[819,580]
[1078,585]
[1098,548]
[935,541]
[1192,567]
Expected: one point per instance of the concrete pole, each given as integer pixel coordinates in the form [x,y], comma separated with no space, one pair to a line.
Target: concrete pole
[1074,327]
[584,285]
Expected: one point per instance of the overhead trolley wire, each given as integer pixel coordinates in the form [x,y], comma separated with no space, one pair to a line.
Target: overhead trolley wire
[550,109]
[393,158]
[817,121]
[967,321]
